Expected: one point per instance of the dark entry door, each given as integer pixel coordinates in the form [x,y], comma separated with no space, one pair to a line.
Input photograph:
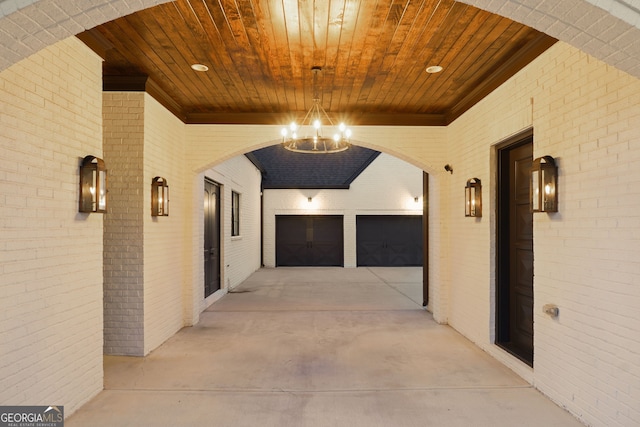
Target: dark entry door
[309,240]
[515,251]
[389,240]
[211,237]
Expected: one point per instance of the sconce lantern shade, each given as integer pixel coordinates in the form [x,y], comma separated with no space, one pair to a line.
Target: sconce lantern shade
[473,198]
[93,185]
[544,184]
[159,197]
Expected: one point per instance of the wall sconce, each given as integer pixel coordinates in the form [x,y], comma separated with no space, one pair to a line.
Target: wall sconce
[159,197]
[543,189]
[473,198]
[93,185]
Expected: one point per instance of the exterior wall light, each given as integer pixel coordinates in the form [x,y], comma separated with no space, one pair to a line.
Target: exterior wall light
[93,185]
[159,197]
[544,184]
[473,198]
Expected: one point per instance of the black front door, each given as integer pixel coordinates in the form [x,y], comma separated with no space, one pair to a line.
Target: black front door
[514,291]
[211,237]
[309,240]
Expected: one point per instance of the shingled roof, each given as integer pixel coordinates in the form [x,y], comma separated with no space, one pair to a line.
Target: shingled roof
[282,168]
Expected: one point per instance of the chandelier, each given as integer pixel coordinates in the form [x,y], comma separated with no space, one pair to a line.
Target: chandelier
[311,136]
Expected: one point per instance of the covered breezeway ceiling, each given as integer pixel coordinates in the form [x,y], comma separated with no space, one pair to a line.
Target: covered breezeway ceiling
[607,29]
[260,53]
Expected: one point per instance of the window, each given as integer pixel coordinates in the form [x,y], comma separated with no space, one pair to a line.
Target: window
[235,213]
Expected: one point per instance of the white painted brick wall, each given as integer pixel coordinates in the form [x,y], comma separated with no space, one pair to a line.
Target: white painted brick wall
[587,115]
[124,281]
[240,254]
[164,237]
[193,246]
[589,253]
[387,187]
[50,255]
[144,256]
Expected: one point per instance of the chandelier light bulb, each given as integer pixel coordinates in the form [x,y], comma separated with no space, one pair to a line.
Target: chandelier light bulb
[342,127]
[316,124]
[336,137]
[293,126]
[347,133]
[284,132]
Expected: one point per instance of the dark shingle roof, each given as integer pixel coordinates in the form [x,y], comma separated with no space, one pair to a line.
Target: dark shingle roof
[282,168]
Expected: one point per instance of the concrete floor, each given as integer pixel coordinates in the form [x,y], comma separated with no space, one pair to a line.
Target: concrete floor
[318,347]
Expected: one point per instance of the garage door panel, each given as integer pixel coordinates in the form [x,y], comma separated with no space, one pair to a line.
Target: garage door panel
[402,254]
[309,240]
[369,254]
[327,255]
[294,255]
[290,230]
[327,229]
[389,241]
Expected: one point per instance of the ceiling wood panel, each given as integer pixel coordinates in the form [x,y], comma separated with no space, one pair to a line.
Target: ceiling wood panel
[260,54]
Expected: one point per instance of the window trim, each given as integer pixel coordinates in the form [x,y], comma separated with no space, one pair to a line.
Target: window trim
[235,214]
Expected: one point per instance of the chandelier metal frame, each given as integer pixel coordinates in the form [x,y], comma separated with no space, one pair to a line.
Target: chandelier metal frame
[312,124]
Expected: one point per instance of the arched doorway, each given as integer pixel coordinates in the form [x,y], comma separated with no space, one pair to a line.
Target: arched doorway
[425,200]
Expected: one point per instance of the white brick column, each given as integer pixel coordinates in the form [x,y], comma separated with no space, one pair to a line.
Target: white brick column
[123,224]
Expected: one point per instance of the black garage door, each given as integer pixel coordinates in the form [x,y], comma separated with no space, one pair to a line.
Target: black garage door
[389,240]
[309,240]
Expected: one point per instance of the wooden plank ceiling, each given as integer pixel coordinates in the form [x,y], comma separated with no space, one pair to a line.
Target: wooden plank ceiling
[373,55]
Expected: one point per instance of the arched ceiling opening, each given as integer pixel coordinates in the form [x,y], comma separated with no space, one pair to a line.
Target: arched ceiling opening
[606,29]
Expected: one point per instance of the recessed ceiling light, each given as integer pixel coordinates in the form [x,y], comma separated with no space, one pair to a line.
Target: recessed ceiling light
[200,67]
[433,69]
